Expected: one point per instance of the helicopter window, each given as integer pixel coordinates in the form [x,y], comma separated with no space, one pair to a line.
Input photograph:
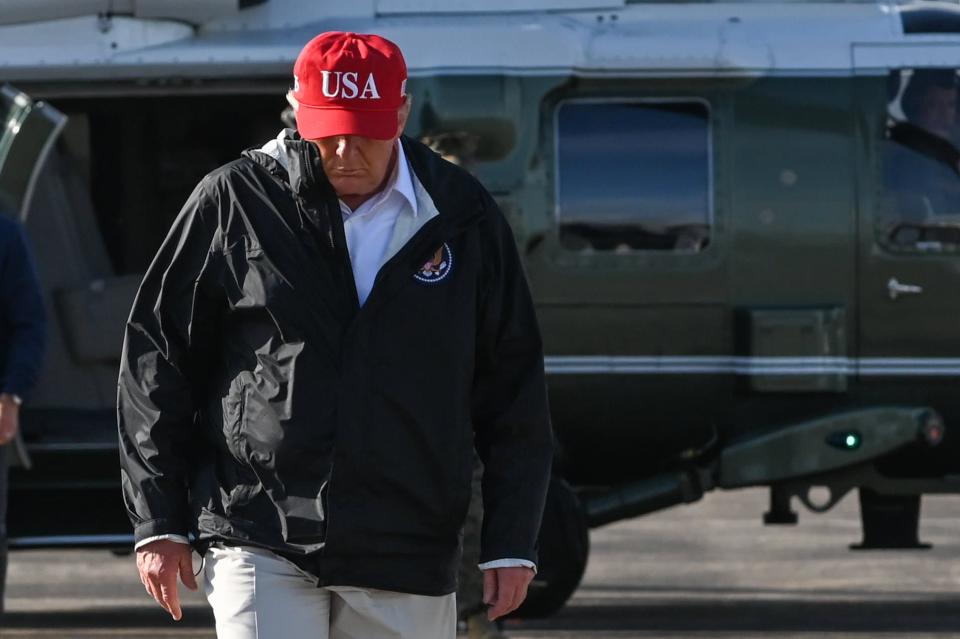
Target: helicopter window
[633,175]
[920,181]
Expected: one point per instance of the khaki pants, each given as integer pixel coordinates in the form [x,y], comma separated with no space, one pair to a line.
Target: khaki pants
[257,595]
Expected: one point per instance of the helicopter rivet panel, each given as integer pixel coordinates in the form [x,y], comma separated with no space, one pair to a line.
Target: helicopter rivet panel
[83,40]
[645,39]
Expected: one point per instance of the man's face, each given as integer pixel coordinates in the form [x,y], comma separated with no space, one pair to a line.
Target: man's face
[938,111]
[357,166]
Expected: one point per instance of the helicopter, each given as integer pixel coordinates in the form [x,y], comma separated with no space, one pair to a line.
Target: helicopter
[739,222]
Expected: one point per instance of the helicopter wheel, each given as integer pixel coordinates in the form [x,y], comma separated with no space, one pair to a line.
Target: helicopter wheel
[563,551]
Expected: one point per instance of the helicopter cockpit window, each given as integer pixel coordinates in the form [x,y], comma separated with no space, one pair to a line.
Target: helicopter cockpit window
[633,175]
[920,185]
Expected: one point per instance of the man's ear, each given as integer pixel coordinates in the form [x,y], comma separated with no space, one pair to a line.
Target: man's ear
[292,101]
[402,114]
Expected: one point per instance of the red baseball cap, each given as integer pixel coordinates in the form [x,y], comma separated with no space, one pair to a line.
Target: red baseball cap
[349,84]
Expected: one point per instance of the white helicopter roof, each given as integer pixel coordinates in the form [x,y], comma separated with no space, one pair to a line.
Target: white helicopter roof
[531,37]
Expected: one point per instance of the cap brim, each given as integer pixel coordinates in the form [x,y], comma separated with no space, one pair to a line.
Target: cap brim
[323,122]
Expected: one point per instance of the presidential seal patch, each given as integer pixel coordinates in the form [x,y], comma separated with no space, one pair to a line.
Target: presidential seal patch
[437,267]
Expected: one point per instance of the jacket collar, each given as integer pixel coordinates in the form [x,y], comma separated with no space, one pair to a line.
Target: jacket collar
[295,161]
[455,194]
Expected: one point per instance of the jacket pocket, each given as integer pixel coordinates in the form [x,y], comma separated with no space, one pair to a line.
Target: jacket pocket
[234,408]
[236,484]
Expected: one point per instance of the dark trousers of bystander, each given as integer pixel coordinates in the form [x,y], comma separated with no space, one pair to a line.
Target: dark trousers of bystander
[470,589]
[4,469]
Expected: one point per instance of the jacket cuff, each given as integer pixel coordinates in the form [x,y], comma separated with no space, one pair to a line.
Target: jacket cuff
[157,528]
[13,387]
[509,563]
[180,539]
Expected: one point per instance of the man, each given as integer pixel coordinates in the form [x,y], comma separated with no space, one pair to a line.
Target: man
[930,101]
[21,351]
[331,325]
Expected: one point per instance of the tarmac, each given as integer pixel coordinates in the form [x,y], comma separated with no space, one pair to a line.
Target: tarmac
[710,569]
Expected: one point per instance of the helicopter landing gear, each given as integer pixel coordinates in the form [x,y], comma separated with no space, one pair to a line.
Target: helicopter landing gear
[889,522]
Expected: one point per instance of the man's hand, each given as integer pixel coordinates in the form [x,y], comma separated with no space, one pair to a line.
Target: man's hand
[9,418]
[504,589]
[159,563]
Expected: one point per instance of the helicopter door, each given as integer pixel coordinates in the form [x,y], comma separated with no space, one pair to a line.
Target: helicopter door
[910,233]
[30,127]
[629,282]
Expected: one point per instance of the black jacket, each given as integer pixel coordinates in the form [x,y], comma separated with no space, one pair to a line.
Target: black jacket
[259,403]
[23,319]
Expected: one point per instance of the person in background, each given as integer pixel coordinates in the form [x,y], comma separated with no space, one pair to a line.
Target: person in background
[460,147]
[21,352]
[921,161]
[930,102]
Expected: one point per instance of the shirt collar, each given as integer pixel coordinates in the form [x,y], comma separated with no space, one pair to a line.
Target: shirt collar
[404,182]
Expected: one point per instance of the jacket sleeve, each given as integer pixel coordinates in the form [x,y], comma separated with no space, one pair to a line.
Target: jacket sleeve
[511,417]
[24,318]
[167,350]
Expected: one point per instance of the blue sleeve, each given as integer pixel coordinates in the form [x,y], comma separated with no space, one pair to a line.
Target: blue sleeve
[24,318]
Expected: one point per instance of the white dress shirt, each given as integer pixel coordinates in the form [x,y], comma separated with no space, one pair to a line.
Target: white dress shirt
[369,228]
[373,237]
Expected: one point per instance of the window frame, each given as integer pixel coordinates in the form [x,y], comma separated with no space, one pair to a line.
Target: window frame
[30,128]
[711,169]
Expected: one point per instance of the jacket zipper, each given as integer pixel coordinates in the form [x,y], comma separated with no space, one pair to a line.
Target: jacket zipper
[338,242]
